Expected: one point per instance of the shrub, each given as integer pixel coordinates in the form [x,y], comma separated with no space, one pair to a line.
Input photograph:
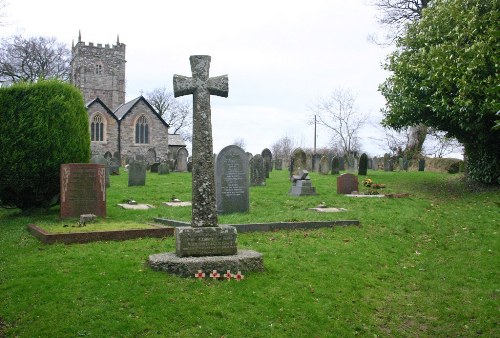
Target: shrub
[43,126]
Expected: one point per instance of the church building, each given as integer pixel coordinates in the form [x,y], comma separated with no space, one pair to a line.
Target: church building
[118,129]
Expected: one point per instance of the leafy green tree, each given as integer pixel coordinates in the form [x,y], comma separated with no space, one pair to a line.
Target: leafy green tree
[445,75]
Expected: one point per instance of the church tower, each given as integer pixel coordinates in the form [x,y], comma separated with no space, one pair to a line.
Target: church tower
[99,72]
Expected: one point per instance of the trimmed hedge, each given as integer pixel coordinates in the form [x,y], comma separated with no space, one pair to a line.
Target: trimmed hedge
[43,125]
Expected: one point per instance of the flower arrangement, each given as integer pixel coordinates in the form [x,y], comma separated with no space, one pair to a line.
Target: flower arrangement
[368,182]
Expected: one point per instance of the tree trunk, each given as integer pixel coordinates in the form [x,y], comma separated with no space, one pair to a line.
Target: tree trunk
[416,138]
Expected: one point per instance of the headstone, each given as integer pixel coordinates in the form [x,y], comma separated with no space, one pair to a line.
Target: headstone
[137,173]
[83,190]
[98,159]
[257,171]
[268,157]
[386,162]
[401,163]
[151,157]
[108,156]
[139,157]
[278,164]
[114,166]
[298,161]
[190,166]
[341,164]
[324,166]
[181,160]
[154,167]
[335,165]
[405,164]
[347,183]
[302,185]
[163,169]
[316,158]
[363,165]
[266,168]
[369,163]
[375,163]
[231,180]
[421,164]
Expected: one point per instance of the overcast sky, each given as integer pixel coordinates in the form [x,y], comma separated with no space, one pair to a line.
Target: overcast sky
[280,56]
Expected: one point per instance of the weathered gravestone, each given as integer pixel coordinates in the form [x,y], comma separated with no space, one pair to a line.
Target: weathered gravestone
[190,166]
[335,165]
[316,158]
[83,190]
[375,163]
[301,184]
[298,161]
[99,159]
[181,160]
[154,167]
[137,173]
[401,163]
[324,166]
[257,171]
[268,158]
[363,165]
[347,183]
[341,164]
[278,164]
[231,180]
[114,166]
[163,168]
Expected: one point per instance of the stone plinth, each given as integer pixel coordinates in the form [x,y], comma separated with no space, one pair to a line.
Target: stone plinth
[244,261]
[205,241]
[302,188]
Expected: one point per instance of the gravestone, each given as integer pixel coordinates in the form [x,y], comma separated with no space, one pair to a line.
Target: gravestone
[316,158]
[386,162]
[268,157]
[114,166]
[257,171]
[278,164]
[190,166]
[347,183]
[405,164]
[98,159]
[302,185]
[154,167]
[375,163]
[83,190]
[139,157]
[137,173]
[401,163]
[363,165]
[335,165]
[181,160]
[163,169]
[249,156]
[231,180]
[369,163]
[151,156]
[421,164]
[341,164]
[298,161]
[324,166]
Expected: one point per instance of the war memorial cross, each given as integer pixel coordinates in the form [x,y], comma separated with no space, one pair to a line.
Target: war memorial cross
[201,86]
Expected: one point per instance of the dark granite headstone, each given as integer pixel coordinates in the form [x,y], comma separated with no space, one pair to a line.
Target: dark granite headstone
[268,157]
[347,183]
[231,180]
[421,164]
[154,167]
[335,165]
[83,190]
[137,173]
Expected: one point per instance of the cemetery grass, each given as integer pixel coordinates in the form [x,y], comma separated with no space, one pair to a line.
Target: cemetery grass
[425,265]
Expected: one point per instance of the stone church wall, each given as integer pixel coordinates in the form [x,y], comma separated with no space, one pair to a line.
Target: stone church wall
[158,134]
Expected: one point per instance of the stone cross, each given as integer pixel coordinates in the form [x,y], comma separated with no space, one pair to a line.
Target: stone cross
[202,86]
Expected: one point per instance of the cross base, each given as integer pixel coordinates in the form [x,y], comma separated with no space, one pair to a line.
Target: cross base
[205,241]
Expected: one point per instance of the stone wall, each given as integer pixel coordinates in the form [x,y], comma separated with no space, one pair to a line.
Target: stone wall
[158,133]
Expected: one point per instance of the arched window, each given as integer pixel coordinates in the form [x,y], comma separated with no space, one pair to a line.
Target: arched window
[97,128]
[142,130]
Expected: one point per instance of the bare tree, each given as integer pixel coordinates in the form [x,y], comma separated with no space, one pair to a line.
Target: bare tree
[240,142]
[176,112]
[395,15]
[283,148]
[32,59]
[339,115]
[439,145]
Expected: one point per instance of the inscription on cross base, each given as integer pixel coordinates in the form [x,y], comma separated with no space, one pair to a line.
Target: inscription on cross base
[201,86]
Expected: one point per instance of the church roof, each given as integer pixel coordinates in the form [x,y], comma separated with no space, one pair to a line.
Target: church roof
[125,108]
[98,101]
[176,140]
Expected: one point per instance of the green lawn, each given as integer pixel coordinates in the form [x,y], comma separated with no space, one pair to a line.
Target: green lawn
[426,265]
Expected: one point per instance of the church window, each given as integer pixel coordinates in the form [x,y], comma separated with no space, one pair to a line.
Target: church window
[142,130]
[98,69]
[97,128]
